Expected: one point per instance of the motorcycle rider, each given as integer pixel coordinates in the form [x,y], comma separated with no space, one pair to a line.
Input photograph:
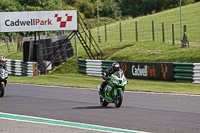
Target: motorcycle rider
[2,62]
[115,67]
[3,67]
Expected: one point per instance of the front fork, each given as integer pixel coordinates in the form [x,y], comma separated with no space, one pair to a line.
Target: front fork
[115,91]
[115,94]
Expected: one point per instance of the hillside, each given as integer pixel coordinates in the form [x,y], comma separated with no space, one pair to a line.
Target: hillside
[146,49]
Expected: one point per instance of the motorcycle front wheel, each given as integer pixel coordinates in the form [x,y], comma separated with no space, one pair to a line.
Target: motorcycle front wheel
[2,89]
[103,102]
[119,98]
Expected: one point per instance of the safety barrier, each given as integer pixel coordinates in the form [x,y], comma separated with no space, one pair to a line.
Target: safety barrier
[187,72]
[20,68]
[93,67]
[183,72]
[196,71]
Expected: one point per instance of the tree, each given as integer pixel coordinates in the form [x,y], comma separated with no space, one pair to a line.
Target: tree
[168,4]
[70,2]
[38,5]
[151,5]
[130,7]
[140,7]
[86,7]
[111,9]
[10,6]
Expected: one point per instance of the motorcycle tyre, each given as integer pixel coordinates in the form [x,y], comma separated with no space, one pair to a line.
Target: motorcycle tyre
[119,98]
[103,102]
[2,90]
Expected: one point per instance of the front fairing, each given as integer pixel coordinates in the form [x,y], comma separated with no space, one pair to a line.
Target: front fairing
[3,74]
[117,81]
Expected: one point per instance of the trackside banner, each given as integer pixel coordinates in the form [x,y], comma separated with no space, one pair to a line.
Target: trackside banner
[145,70]
[38,21]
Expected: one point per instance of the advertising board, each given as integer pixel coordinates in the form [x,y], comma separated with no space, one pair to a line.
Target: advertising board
[38,21]
[151,71]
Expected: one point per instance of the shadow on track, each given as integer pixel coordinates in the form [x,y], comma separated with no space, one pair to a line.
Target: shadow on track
[93,107]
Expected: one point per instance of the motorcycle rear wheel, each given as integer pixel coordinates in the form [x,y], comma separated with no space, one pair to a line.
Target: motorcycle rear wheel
[103,102]
[2,90]
[119,98]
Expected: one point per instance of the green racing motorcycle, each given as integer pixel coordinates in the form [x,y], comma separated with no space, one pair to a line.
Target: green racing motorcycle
[114,90]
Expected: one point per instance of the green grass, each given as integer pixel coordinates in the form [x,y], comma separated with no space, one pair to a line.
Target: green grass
[71,66]
[157,52]
[84,81]
[13,51]
[102,20]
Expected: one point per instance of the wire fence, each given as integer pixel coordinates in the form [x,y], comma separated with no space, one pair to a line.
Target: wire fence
[167,33]
[119,32]
[8,45]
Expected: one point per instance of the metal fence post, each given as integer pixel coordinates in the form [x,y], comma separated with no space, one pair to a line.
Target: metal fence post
[173,41]
[153,31]
[163,32]
[105,33]
[136,31]
[120,29]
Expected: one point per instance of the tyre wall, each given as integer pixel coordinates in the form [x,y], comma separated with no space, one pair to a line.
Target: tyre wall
[56,49]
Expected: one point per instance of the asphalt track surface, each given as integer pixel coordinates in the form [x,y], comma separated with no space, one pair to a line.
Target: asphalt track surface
[149,112]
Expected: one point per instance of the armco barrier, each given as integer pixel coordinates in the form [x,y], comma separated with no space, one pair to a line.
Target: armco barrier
[196,71]
[93,67]
[81,65]
[106,64]
[20,68]
[183,72]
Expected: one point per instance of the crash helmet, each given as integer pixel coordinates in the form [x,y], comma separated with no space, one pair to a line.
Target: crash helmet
[115,67]
[2,60]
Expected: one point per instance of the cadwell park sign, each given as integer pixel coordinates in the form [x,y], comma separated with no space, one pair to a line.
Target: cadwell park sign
[38,21]
[152,71]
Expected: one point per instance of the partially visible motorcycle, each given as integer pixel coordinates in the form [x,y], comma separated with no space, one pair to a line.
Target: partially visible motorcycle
[113,92]
[3,81]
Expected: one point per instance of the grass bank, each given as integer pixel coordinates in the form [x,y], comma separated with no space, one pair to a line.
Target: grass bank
[84,81]
[146,49]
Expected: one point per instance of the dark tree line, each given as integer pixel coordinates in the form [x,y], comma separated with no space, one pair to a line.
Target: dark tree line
[107,8]
[143,7]
[117,8]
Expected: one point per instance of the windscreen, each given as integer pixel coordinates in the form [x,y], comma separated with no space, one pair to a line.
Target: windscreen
[119,74]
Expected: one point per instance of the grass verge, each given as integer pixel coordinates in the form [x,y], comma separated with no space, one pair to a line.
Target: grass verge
[84,81]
